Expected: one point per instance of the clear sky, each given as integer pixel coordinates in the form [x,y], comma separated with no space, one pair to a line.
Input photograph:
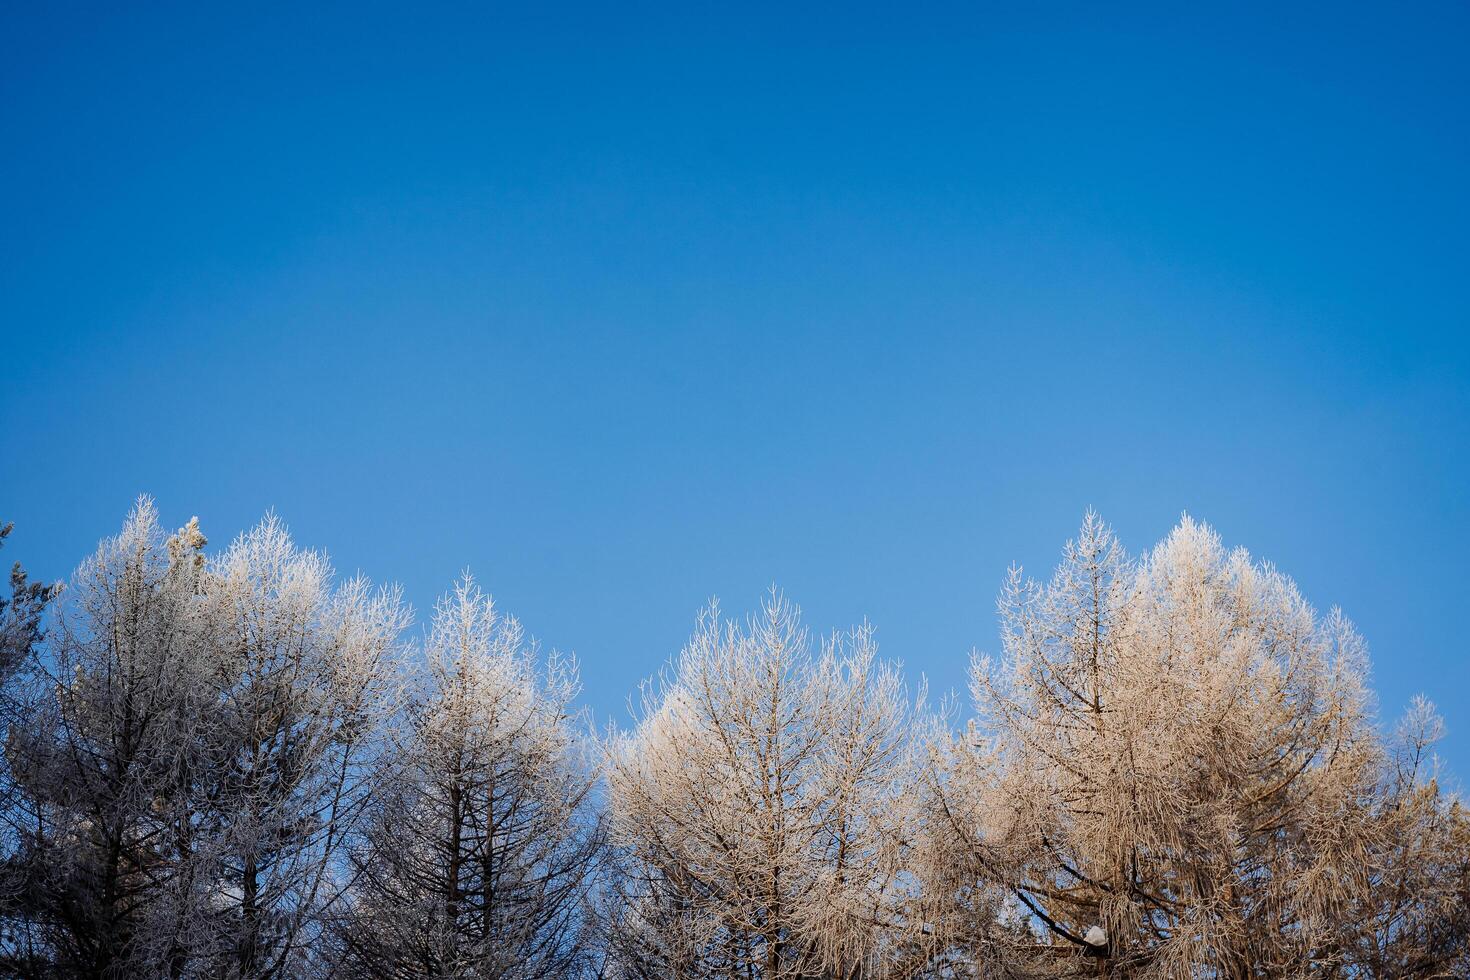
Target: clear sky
[627,307]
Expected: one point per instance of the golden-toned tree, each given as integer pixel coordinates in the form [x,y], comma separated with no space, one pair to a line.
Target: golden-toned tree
[760,804]
[1174,772]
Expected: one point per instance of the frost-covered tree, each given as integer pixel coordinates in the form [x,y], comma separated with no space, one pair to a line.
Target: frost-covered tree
[1175,772]
[21,632]
[303,671]
[190,754]
[760,807]
[1410,915]
[101,746]
[477,856]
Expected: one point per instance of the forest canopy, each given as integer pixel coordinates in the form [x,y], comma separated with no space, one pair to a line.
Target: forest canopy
[232,763]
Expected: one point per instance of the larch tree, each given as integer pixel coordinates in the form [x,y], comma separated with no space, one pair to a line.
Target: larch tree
[21,633]
[190,756]
[477,855]
[759,808]
[303,671]
[1174,772]
[100,748]
[1410,917]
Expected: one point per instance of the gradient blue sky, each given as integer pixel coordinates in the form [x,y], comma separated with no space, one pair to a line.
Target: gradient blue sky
[627,307]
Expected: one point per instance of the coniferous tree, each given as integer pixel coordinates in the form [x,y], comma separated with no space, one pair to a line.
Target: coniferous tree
[303,672]
[21,614]
[21,633]
[760,806]
[104,737]
[191,755]
[1175,771]
[477,856]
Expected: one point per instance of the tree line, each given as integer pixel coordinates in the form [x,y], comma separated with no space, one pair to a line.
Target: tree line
[232,764]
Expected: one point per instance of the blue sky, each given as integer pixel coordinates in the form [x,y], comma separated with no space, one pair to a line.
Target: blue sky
[627,307]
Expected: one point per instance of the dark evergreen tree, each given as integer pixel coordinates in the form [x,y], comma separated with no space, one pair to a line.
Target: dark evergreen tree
[21,614]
